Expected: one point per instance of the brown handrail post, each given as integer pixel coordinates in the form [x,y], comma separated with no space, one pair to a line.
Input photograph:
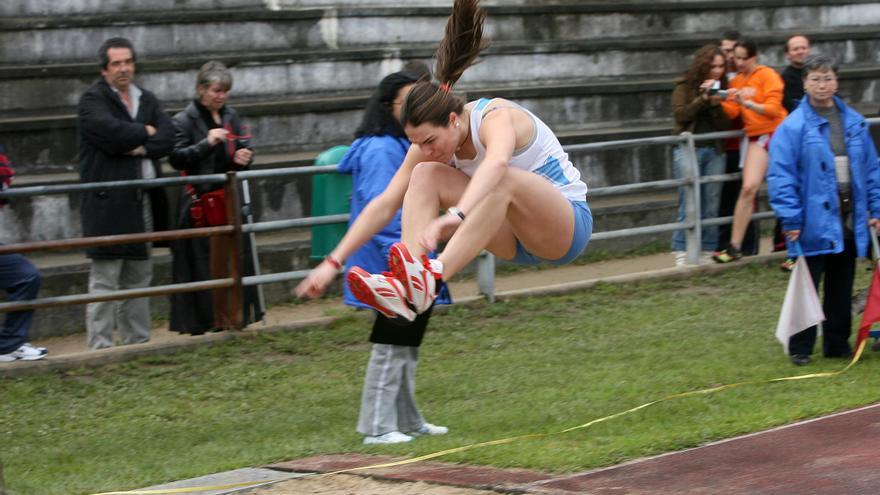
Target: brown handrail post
[226,257]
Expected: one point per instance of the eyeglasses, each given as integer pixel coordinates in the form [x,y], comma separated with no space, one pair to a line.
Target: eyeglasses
[821,79]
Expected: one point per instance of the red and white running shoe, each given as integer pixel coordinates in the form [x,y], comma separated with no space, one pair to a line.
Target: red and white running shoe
[384,293]
[420,277]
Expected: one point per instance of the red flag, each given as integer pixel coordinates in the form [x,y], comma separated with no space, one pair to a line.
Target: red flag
[872,309]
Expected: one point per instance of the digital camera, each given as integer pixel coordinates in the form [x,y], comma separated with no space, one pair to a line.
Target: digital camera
[715,90]
[721,93]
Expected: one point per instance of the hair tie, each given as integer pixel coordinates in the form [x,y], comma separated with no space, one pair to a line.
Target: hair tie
[446,87]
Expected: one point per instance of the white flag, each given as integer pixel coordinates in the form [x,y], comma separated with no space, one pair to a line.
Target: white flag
[801,308]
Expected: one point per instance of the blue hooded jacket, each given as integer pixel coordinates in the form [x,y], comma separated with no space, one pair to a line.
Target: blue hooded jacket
[803,183]
[372,162]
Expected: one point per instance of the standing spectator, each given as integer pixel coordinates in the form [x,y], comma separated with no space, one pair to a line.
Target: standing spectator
[728,41]
[209,139]
[388,412]
[755,97]
[825,188]
[696,108]
[21,281]
[730,189]
[797,49]
[123,132]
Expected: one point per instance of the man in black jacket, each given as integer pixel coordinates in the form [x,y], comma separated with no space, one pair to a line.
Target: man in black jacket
[797,49]
[123,131]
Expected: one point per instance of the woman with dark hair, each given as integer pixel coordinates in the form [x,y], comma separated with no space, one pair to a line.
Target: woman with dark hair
[388,411]
[696,108]
[498,171]
[756,98]
[208,140]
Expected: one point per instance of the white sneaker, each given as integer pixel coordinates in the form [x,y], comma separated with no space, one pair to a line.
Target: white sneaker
[26,352]
[384,293]
[386,438]
[429,429]
[419,276]
[680,258]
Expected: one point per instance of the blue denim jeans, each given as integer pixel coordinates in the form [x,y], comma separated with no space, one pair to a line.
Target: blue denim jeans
[21,281]
[710,162]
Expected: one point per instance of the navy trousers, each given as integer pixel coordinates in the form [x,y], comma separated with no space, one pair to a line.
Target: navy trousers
[21,281]
[838,270]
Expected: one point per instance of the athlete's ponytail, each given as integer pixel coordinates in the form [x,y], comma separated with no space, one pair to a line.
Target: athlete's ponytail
[432,101]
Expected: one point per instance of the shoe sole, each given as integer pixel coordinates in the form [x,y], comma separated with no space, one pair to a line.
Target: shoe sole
[21,358]
[399,258]
[32,358]
[730,259]
[379,442]
[362,291]
[416,434]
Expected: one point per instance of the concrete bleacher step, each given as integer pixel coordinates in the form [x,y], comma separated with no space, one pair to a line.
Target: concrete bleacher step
[166,31]
[271,72]
[45,140]
[336,53]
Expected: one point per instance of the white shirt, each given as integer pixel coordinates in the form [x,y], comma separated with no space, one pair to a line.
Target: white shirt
[134,96]
[543,155]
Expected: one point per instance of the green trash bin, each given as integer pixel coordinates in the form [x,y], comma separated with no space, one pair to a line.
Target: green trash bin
[331,195]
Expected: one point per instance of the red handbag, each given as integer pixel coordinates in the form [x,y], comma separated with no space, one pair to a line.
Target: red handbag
[208,209]
[214,207]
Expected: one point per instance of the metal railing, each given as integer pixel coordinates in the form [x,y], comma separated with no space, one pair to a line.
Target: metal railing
[232,278]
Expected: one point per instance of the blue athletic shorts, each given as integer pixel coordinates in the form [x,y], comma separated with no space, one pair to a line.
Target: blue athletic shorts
[583,229]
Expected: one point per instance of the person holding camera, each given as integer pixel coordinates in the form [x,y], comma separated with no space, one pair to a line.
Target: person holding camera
[696,108]
[209,139]
[756,97]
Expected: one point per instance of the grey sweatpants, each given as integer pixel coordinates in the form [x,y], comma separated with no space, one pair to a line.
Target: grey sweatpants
[388,402]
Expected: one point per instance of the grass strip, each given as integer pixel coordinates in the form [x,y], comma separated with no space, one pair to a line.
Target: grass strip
[518,367]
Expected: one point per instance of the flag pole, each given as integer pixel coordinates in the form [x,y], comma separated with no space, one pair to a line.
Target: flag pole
[875,245]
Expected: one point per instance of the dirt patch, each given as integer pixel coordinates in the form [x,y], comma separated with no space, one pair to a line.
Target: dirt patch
[347,484]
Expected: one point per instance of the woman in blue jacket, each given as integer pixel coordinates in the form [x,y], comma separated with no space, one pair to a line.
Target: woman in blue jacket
[388,408]
[824,184]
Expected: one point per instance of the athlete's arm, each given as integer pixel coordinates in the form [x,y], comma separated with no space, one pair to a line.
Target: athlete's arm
[498,135]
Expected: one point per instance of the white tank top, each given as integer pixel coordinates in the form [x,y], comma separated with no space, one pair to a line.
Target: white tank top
[543,155]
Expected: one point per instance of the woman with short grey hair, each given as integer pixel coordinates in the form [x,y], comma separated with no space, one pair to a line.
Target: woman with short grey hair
[213,73]
[824,185]
[209,139]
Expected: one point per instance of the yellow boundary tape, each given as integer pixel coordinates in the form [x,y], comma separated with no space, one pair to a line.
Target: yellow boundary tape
[502,441]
